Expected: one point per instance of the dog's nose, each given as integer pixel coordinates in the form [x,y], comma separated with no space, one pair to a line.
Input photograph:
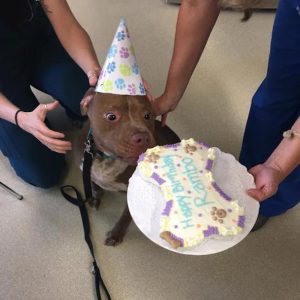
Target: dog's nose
[140,139]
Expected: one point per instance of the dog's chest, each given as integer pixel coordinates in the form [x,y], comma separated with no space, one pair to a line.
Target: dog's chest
[105,173]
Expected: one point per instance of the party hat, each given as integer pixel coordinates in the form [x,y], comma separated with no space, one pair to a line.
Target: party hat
[120,73]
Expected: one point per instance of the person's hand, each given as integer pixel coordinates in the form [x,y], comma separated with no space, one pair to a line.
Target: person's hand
[267,178]
[163,105]
[34,123]
[93,76]
[156,105]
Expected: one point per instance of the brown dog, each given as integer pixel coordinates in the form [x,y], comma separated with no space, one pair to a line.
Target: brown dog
[123,127]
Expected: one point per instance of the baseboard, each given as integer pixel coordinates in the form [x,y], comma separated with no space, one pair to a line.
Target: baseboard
[263,4]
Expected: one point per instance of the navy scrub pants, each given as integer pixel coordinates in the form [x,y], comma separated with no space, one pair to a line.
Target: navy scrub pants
[276,105]
[52,71]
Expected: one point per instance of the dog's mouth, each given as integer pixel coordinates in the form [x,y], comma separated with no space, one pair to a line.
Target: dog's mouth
[132,155]
[130,152]
[128,149]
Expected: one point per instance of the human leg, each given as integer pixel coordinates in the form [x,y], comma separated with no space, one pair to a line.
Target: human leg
[276,106]
[31,160]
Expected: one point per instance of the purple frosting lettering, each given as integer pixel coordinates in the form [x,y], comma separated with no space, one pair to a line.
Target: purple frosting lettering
[203,144]
[211,230]
[241,221]
[157,178]
[209,164]
[167,210]
[174,237]
[172,145]
[141,157]
[222,194]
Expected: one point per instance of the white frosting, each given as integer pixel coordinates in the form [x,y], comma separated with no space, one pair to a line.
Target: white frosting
[196,208]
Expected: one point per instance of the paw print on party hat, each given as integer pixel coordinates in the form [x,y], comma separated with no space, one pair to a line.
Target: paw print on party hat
[112,52]
[125,70]
[121,73]
[132,89]
[124,53]
[111,67]
[107,85]
[142,89]
[135,69]
[120,84]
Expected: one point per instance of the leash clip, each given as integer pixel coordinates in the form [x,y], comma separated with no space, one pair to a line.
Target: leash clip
[88,148]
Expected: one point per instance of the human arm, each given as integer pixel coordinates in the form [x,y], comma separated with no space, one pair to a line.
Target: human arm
[7,109]
[33,123]
[195,22]
[73,37]
[284,159]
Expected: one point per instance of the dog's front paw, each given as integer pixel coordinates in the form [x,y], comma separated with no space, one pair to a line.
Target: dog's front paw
[116,235]
[113,238]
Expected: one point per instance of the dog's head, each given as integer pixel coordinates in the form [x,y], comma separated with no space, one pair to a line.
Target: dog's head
[122,125]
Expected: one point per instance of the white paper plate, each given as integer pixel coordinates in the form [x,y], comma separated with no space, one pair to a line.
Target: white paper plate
[146,204]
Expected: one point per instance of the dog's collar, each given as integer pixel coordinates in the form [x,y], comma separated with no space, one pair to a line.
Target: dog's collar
[91,148]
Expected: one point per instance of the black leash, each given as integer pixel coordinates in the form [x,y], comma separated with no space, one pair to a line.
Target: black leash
[87,164]
[78,201]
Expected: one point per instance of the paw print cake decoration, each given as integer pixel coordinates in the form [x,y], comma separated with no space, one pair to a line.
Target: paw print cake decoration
[196,207]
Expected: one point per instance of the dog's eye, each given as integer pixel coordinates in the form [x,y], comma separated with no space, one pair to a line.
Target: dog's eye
[110,116]
[147,116]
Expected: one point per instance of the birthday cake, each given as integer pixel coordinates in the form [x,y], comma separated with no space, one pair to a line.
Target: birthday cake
[196,208]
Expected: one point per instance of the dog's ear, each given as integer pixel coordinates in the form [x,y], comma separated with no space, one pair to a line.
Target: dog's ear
[86,101]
